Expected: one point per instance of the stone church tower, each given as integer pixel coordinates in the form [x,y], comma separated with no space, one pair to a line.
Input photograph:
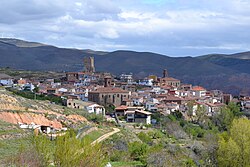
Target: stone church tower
[89,65]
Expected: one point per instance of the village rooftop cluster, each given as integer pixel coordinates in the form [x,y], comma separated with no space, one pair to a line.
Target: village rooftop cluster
[123,98]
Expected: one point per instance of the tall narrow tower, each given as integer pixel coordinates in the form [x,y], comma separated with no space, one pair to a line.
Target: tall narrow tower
[89,65]
[165,73]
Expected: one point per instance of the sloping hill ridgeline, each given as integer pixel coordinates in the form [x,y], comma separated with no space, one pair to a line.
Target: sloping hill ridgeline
[239,62]
[230,73]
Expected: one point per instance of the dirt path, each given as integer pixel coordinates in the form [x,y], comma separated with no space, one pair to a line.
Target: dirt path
[105,136]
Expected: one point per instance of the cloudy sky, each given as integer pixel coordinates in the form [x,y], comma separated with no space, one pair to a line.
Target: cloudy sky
[170,27]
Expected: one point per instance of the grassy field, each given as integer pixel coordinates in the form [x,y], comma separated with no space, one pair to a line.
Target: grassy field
[97,133]
[9,129]
[15,140]
[10,147]
[94,135]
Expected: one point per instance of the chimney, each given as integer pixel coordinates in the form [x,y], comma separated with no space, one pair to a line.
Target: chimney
[165,73]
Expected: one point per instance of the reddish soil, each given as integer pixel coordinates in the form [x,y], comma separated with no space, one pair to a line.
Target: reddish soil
[28,118]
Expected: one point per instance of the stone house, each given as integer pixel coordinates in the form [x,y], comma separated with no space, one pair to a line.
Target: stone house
[72,76]
[169,81]
[109,96]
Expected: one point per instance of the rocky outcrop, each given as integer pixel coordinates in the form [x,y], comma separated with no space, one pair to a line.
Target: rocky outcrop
[29,118]
[18,110]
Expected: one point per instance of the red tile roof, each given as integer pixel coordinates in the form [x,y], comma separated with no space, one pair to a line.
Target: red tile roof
[122,107]
[198,88]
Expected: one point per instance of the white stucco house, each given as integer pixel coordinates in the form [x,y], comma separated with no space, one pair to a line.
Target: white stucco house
[146,82]
[90,107]
[6,80]
[198,91]
[137,101]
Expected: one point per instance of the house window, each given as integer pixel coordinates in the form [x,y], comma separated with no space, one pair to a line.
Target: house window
[117,95]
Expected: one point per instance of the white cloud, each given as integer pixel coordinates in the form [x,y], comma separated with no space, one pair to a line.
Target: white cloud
[133,15]
[174,27]
[108,33]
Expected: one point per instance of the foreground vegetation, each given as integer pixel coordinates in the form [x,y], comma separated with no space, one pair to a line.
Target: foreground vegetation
[65,151]
[202,141]
[221,140]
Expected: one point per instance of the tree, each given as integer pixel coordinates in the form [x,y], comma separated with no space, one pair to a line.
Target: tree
[200,114]
[36,89]
[223,119]
[234,146]
[233,107]
[211,146]
[190,110]
[70,151]
[65,151]
[138,151]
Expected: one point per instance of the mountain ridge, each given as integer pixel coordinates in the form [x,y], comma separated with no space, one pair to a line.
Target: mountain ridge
[213,71]
[239,62]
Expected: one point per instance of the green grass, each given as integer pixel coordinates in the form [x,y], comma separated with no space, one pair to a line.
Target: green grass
[11,131]
[94,135]
[97,133]
[10,147]
[7,128]
[126,164]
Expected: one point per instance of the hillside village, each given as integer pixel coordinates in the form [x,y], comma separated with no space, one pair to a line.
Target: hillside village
[123,97]
[132,83]
[170,122]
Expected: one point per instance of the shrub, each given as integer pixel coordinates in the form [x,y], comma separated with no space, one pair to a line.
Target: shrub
[172,117]
[189,163]
[195,131]
[118,156]
[138,151]
[66,151]
[145,138]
